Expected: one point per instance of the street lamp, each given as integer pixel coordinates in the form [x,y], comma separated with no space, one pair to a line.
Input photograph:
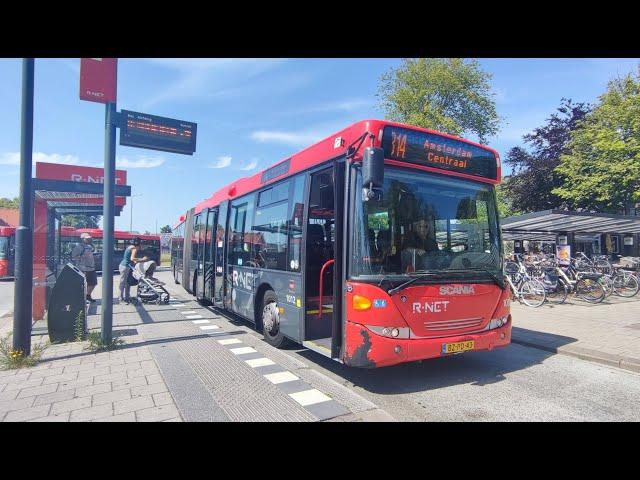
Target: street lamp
[131,214]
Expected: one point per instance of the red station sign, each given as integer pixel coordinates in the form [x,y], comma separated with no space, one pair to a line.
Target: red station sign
[98,79]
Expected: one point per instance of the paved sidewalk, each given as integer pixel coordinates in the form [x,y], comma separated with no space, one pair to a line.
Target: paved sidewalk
[74,384]
[181,362]
[607,333]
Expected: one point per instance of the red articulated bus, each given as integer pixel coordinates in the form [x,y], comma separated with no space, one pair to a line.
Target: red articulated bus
[378,245]
[7,251]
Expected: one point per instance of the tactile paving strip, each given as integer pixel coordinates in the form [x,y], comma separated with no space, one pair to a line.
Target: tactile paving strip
[237,388]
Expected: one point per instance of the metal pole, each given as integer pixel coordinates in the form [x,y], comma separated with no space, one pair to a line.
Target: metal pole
[131,216]
[23,295]
[107,227]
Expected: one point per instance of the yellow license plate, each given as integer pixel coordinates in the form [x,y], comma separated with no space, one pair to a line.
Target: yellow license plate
[458,347]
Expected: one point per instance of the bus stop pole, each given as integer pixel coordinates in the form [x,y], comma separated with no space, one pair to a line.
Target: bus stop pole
[107,222]
[23,295]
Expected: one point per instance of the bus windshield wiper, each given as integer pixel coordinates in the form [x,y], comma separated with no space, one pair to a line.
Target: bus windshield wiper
[418,276]
[496,278]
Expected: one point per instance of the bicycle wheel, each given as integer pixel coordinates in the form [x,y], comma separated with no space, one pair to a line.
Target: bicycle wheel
[625,285]
[532,293]
[558,294]
[590,290]
[607,284]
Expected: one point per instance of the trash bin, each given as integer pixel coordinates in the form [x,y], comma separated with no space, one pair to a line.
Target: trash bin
[67,305]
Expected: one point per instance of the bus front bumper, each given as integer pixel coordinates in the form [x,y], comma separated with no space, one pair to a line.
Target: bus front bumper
[367,349]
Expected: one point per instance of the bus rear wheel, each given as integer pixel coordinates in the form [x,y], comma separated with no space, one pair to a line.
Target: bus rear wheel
[270,317]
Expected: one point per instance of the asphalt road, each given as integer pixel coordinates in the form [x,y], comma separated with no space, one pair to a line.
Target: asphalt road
[6,297]
[516,383]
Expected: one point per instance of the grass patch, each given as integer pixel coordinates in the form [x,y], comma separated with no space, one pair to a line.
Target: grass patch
[97,345]
[11,359]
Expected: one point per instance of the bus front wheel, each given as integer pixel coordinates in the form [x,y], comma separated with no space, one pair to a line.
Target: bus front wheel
[270,316]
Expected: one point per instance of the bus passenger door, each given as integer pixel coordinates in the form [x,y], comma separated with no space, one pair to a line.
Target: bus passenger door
[220,258]
[209,256]
[200,268]
[319,263]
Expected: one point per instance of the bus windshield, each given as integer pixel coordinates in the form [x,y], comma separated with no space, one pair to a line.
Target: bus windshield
[425,222]
[4,247]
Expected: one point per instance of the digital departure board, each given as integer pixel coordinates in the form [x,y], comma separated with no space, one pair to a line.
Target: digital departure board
[437,151]
[157,133]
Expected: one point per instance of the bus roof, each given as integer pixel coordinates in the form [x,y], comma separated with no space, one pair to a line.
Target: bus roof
[331,147]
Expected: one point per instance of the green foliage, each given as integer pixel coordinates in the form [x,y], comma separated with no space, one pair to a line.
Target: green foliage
[10,358]
[506,207]
[601,171]
[79,327]
[166,229]
[533,179]
[80,221]
[450,95]
[97,345]
[8,203]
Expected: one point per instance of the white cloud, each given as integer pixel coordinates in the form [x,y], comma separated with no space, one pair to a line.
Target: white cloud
[200,78]
[251,165]
[296,139]
[221,162]
[13,158]
[142,162]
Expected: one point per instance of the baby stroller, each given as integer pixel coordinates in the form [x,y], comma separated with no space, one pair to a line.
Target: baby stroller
[150,289]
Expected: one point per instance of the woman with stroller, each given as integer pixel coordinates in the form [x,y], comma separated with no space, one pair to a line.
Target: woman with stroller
[129,260]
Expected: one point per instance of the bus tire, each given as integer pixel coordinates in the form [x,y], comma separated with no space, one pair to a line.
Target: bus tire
[269,317]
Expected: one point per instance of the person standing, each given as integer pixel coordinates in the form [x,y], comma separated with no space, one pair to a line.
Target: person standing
[129,259]
[82,257]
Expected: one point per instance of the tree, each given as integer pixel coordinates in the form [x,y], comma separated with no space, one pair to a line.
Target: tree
[505,205]
[80,221]
[530,187]
[601,170]
[451,95]
[166,229]
[8,203]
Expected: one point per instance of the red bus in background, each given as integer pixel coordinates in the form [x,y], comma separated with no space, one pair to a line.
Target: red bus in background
[378,245]
[70,237]
[7,251]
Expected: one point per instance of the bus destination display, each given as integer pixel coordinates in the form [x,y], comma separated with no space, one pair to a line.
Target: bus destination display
[436,151]
[157,133]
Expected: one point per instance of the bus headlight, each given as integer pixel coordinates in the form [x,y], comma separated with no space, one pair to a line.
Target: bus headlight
[498,322]
[390,332]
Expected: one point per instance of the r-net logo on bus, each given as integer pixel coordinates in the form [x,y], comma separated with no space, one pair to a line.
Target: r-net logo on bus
[243,280]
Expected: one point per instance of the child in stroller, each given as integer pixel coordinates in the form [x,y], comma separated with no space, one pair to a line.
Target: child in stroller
[150,289]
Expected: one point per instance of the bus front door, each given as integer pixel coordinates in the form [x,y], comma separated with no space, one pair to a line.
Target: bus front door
[320,259]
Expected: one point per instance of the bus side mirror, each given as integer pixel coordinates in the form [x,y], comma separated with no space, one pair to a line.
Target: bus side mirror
[372,171]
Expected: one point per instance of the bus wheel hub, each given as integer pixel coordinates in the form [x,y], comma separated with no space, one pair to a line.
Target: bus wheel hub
[270,318]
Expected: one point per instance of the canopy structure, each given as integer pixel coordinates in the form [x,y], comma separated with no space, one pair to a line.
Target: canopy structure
[63,190]
[546,224]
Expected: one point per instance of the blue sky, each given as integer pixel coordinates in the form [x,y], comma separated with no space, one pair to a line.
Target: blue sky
[250,114]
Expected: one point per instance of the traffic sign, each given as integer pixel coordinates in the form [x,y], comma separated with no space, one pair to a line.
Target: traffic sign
[157,133]
[99,79]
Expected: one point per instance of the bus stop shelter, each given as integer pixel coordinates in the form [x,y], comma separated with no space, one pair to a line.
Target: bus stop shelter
[565,227]
[63,190]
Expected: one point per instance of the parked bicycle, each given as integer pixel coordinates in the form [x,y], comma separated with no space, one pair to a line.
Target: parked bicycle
[615,280]
[525,289]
